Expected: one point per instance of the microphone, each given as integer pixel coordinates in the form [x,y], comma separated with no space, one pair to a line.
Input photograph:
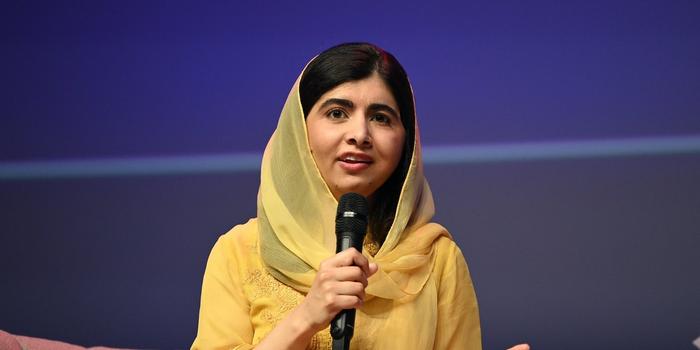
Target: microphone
[350,229]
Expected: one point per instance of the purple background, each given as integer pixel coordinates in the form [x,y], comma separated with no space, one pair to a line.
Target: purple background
[571,253]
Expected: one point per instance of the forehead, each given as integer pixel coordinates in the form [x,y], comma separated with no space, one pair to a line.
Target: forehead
[365,91]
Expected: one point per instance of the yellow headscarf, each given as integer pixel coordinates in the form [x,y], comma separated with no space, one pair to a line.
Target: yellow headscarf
[296,212]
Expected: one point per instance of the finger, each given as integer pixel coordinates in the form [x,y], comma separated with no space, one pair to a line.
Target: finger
[348,302]
[344,258]
[350,288]
[520,347]
[350,273]
[341,259]
[361,261]
[350,257]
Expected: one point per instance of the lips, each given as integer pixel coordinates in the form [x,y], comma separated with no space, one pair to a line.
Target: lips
[354,163]
[355,158]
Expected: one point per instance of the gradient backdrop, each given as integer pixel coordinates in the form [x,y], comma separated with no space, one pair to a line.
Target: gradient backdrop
[562,145]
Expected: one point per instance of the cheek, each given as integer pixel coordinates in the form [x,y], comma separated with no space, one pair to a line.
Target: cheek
[316,146]
[314,138]
[319,145]
[394,149]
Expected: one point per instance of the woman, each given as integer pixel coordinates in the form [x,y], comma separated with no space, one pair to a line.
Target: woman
[275,283]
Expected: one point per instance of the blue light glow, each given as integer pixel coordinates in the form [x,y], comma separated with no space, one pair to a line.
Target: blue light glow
[250,162]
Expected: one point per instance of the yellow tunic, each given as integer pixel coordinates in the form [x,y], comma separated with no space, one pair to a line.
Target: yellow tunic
[242,302]
[420,298]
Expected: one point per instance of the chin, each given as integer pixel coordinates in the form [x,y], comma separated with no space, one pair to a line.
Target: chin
[363,190]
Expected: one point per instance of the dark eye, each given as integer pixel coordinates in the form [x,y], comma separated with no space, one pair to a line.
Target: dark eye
[336,114]
[381,118]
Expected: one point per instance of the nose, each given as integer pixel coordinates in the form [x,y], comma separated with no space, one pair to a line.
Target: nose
[358,132]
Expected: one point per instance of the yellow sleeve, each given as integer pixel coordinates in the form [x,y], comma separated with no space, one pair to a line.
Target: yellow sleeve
[458,324]
[224,318]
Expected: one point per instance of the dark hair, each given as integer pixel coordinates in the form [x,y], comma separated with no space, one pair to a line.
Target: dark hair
[356,61]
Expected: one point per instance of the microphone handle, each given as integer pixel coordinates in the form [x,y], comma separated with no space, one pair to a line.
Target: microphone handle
[343,323]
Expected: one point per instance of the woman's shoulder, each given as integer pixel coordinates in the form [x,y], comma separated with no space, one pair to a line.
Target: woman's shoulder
[442,241]
[447,248]
[239,242]
[242,233]
[447,254]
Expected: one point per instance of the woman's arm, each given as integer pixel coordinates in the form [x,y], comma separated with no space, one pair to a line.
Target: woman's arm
[224,317]
[458,313]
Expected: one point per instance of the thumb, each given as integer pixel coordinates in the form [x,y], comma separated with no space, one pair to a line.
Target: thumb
[373,268]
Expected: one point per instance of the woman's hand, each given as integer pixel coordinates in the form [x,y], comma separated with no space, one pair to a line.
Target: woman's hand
[520,347]
[339,284]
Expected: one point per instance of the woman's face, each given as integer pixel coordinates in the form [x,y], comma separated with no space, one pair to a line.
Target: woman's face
[356,136]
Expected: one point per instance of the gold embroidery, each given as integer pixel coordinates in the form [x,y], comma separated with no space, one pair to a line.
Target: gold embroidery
[265,290]
[275,300]
[370,246]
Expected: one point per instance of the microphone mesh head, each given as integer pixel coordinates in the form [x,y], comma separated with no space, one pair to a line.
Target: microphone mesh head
[351,216]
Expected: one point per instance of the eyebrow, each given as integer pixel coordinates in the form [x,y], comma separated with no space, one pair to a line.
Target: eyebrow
[348,104]
[337,101]
[384,108]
